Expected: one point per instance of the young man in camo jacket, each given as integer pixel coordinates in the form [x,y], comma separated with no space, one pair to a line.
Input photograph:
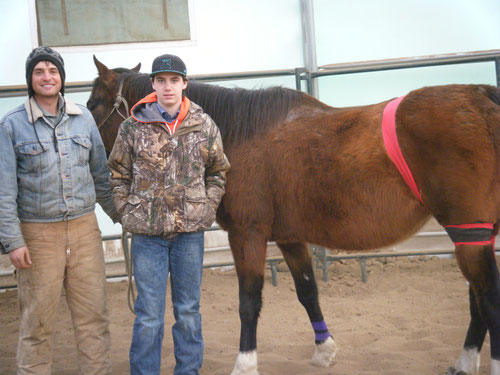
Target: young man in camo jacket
[168,172]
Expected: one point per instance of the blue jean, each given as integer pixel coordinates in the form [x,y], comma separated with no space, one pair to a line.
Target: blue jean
[154,258]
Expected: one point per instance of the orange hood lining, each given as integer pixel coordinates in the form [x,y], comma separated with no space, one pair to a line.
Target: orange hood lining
[151,98]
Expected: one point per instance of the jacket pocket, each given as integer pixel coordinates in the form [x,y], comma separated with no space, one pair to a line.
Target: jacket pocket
[135,215]
[199,214]
[33,158]
[82,146]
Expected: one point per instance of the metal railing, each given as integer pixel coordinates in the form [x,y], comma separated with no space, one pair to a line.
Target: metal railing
[86,86]
[303,74]
[408,62]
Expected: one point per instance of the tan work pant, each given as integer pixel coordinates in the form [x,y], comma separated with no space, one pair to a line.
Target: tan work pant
[69,254]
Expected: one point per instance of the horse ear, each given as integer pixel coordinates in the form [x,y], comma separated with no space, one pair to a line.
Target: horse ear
[106,75]
[137,68]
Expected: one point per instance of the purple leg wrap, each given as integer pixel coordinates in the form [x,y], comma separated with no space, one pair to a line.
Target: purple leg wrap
[320,331]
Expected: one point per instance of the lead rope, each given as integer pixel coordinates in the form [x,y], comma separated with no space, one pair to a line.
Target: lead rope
[119,100]
[129,268]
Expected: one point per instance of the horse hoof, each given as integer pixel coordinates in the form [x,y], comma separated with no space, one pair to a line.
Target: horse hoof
[452,371]
[246,364]
[324,353]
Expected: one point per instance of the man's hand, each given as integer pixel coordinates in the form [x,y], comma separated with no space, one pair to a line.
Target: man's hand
[20,258]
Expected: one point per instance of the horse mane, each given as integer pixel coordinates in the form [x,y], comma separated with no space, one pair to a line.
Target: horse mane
[240,114]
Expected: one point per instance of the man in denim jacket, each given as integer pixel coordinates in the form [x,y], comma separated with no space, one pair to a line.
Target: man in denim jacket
[52,171]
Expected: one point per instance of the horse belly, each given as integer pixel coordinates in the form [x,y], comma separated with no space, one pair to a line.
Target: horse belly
[350,215]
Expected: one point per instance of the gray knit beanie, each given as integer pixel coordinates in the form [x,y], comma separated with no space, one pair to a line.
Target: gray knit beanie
[44,54]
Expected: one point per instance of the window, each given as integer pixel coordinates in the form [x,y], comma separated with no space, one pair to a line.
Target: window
[92,22]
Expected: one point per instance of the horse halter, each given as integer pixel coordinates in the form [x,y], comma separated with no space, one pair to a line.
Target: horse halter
[116,107]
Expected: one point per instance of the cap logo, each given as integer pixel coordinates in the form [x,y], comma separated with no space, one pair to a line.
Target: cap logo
[166,64]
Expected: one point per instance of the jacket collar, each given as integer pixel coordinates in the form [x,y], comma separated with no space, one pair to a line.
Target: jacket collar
[141,112]
[71,108]
[152,98]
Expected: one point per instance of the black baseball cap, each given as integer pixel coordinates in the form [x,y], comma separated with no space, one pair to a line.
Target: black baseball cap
[168,64]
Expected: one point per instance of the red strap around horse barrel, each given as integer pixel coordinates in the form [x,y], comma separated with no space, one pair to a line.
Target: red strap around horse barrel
[462,234]
[392,145]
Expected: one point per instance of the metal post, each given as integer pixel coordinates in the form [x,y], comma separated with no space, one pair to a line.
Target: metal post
[309,40]
[311,84]
[274,271]
[362,261]
[298,78]
[497,69]
[324,262]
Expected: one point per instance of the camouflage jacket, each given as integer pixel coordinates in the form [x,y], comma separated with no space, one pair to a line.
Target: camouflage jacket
[166,183]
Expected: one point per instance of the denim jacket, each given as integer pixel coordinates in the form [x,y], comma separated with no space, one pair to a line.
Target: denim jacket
[58,176]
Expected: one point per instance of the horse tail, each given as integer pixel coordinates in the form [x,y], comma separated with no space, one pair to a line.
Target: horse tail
[493,93]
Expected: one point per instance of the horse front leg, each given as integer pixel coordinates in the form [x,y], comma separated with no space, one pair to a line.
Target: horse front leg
[298,259]
[249,252]
[478,264]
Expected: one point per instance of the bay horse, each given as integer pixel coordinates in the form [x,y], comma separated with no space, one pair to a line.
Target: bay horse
[304,172]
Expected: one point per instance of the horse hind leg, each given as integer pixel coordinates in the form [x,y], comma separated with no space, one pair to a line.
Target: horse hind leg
[477,262]
[298,259]
[468,362]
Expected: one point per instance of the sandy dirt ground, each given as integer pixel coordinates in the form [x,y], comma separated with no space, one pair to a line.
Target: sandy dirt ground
[409,318]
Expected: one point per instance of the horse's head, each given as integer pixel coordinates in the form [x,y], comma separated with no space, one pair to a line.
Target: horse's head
[103,97]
